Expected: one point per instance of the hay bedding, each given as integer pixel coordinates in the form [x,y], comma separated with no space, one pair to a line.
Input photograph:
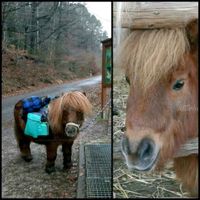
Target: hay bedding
[128,184]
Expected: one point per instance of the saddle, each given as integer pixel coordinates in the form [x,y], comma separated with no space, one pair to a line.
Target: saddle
[35,114]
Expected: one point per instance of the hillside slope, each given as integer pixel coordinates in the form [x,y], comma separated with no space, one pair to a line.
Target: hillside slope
[21,71]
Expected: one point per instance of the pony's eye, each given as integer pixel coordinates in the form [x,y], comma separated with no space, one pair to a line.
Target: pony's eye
[127,80]
[178,85]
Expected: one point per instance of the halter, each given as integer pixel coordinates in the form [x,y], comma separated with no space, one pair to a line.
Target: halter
[71,124]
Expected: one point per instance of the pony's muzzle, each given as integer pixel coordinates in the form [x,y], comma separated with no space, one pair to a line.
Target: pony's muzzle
[140,156]
[71,129]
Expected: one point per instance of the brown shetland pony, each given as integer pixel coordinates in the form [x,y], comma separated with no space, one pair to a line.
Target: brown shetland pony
[65,116]
[162,70]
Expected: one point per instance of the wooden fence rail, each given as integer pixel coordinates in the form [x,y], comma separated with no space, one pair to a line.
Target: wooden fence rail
[149,15]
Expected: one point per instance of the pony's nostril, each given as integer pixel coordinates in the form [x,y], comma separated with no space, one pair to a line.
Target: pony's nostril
[145,149]
[72,130]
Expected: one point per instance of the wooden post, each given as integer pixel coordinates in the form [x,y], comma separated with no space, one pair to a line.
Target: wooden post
[106,71]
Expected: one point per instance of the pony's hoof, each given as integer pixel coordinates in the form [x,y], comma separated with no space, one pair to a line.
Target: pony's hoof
[50,169]
[67,166]
[27,158]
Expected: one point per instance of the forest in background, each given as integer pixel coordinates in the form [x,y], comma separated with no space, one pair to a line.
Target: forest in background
[60,39]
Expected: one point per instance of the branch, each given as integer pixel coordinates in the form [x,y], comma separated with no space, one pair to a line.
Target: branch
[57,30]
[14,9]
[49,17]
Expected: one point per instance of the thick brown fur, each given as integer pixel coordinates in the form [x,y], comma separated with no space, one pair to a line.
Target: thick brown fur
[162,49]
[153,61]
[70,107]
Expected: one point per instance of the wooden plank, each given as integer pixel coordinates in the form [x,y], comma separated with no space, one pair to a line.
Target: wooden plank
[190,147]
[105,45]
[149,15]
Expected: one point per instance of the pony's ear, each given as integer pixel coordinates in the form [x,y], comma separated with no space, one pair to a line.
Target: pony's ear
[192,33]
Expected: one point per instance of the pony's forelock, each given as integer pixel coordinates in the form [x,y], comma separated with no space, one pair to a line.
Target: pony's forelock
[76,100]
[148,55]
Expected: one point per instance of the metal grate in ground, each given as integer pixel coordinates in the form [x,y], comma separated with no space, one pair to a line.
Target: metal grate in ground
[98,187]
[98,170]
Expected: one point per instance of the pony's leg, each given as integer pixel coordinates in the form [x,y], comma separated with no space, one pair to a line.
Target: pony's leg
[67,153]
[25,150]
[187,171]
[23,143]
[51,149]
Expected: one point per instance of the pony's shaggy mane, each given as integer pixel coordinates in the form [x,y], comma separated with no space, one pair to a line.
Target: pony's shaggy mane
[148,55]
[75,100]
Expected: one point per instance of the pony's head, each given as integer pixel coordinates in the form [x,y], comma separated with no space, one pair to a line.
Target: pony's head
[161,68]
[66,113]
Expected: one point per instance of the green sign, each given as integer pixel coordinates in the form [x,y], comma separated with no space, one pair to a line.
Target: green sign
[107,78]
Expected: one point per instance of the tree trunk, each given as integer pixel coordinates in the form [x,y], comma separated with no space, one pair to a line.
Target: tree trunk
[58,42]
[33,27]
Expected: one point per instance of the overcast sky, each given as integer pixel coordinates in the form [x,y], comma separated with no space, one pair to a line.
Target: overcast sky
[102,11]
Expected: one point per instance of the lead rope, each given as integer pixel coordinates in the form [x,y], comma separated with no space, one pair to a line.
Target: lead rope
[93,120]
